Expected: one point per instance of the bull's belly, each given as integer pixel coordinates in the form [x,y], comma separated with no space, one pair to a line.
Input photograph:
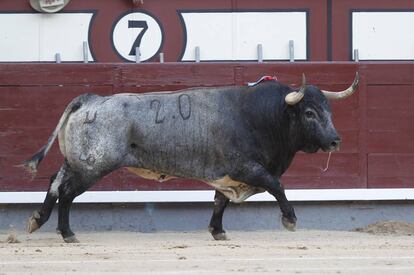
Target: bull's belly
[150,175]
[236,191]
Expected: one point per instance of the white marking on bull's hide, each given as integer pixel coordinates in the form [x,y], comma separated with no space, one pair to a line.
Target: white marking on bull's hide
[150,175]
[54,187]
[236,191]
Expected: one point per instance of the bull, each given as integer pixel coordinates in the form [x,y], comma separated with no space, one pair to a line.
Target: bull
[239,140]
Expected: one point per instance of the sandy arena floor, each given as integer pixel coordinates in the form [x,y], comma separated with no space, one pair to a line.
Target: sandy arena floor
[281,252]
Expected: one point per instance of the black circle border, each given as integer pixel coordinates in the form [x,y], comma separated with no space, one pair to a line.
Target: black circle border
[135,11]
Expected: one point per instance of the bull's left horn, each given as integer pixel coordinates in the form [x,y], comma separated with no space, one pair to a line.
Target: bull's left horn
[345,93]
[294,97]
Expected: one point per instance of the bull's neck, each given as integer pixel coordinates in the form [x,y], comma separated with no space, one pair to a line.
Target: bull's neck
[273,129]
[285,138]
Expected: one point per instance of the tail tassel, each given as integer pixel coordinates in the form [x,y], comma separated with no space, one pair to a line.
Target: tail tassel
[31,164]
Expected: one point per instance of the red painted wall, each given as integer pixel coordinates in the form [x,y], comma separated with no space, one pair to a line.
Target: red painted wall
[375,124]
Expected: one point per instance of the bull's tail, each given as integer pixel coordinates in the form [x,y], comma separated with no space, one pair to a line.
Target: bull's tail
[31,164]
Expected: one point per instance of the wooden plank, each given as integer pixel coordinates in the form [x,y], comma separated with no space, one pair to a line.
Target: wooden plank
[151,88]
[177,74]
[23,142]
[209,74]
[28,108]
[390,142]
[26,118]
[341,164]
[391,97]
[362,137]
[396,120]
[391,170]
[45,97]
[24,74]
[316,73]
[388,73]
[49,165]
[334,182]
[390,119]
[306,171]
[346,119]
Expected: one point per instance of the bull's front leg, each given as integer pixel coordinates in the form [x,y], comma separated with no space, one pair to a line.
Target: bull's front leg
[256,175]
[216,223]
[288,213]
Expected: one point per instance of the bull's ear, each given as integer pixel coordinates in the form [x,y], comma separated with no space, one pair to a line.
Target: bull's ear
[294,97]
[345,93]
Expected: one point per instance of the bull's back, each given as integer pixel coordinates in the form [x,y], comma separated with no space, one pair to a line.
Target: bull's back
[179,133]
[176,133]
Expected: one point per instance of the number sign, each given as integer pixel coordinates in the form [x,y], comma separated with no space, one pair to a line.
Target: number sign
[137,29]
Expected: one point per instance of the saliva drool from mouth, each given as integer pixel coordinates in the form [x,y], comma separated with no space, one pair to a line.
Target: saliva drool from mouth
[327,163]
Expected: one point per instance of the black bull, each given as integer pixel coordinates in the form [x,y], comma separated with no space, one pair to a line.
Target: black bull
[240,140]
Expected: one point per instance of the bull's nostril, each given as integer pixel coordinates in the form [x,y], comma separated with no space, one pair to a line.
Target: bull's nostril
[335,143]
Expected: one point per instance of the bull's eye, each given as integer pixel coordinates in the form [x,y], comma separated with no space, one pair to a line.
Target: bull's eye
[310,114]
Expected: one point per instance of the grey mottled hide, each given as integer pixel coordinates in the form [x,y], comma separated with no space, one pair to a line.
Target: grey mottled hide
[185,134]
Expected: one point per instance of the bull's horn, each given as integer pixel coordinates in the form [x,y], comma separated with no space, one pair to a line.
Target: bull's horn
[294,97]
[345,93]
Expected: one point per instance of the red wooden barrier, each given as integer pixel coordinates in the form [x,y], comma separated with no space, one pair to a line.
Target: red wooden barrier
[376,123]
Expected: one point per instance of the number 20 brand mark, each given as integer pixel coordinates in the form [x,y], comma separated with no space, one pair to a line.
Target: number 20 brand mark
[184,106]
[141,28]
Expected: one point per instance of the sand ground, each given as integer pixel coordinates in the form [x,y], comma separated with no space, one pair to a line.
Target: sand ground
[273,252]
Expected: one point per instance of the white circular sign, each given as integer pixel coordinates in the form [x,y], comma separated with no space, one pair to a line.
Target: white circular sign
[137,29]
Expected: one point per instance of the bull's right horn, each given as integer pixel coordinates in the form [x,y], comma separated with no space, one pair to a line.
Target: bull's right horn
[294,97]
[345,93]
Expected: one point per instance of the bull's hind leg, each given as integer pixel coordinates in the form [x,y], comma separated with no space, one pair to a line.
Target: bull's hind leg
[68,191]
[40,217]
[63,220]
[216,222]
[65,186]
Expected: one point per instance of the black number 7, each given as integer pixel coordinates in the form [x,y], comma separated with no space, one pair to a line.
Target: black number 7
[137,42]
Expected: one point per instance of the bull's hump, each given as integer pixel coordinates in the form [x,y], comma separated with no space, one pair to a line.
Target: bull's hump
[144,94]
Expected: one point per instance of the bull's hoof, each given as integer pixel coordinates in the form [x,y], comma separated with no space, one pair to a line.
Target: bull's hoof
[220,236]
[71,239]
[289,224]
[32,224]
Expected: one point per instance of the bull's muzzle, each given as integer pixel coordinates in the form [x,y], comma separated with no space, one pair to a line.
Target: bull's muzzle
[334,144]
